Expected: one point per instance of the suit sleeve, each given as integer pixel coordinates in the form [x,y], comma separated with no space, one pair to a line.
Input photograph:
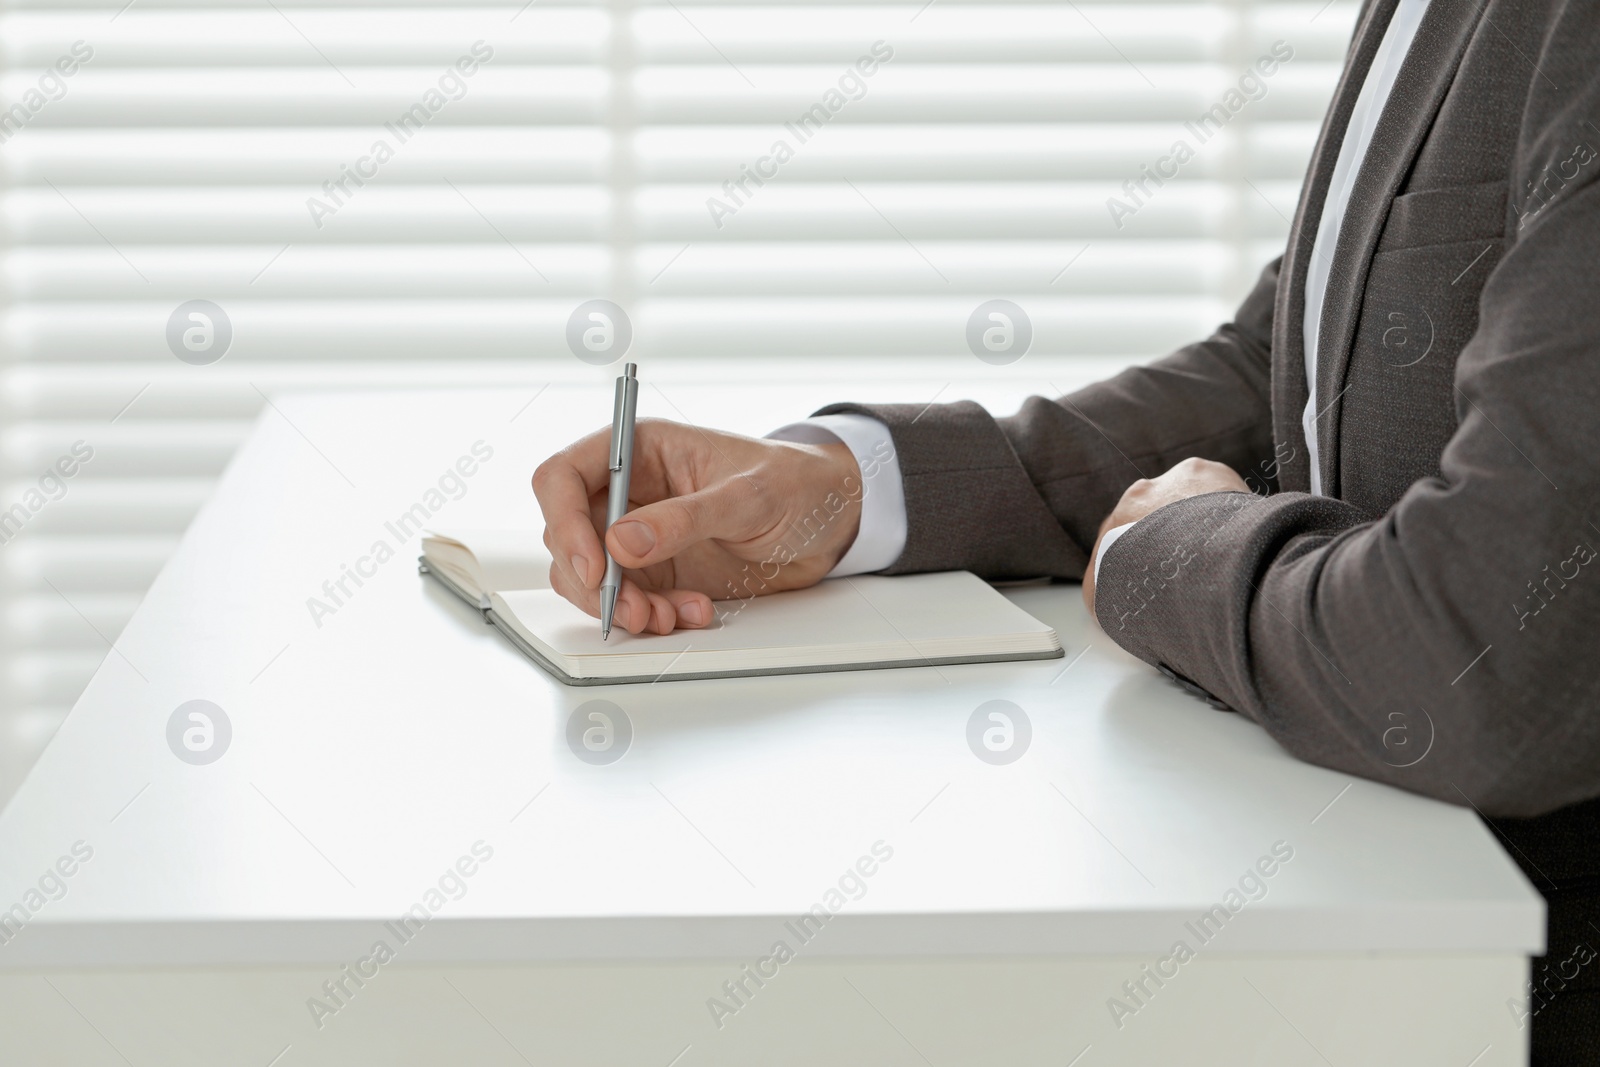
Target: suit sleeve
[1023,496]
[1450,646]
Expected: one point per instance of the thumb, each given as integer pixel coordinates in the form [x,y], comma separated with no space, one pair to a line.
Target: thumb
[731,511]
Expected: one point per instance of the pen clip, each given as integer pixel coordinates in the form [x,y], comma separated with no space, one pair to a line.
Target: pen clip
[620,409]
[616,424]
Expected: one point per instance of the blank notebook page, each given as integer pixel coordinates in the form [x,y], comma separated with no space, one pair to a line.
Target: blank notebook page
[843,620]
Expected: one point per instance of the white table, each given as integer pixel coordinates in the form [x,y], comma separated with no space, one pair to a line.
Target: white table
[368,755]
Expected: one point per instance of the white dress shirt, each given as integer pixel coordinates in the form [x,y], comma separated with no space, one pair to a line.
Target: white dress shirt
[883,514]
[882,536]
[1357,137]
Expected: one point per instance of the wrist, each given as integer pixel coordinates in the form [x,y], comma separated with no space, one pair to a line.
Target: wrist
[841,500]
[851,463]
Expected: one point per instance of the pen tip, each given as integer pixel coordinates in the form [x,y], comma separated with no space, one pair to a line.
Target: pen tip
[605,635]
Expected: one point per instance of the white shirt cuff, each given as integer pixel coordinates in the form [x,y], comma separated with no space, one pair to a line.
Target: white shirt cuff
[1106,542]
[882,537]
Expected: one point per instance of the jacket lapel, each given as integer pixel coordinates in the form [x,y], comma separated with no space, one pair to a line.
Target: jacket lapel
[1289,391]
[1424,79]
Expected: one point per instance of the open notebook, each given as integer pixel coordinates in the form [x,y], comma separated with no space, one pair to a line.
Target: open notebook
[860,623]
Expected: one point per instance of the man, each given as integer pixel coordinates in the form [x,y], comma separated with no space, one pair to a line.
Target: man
[1413,393]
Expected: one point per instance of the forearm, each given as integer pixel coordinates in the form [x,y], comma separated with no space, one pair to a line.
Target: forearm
[1446,647]
[1023,496]
[1400,660]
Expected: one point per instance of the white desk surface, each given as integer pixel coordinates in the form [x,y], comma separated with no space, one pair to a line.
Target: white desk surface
[369,754]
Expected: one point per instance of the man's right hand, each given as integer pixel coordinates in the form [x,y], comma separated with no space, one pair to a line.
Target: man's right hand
[712,516]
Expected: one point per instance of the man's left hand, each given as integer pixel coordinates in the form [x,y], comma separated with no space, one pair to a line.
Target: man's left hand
[1191,477]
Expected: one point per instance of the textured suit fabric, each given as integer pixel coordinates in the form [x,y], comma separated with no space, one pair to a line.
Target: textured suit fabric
[1434,621]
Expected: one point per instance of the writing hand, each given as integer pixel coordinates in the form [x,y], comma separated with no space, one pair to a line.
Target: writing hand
[712,516]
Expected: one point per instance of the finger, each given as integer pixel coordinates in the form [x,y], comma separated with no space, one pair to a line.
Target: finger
[557,563]
[663,616]
[681,609]
[563,485]
[562,581]
[734,510]
[693,608]
[670,609]
[633,610]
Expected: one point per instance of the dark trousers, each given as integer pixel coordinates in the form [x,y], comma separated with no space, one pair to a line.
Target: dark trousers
[1560,854]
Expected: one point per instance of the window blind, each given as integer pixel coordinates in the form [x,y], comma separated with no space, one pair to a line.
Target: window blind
[534,156]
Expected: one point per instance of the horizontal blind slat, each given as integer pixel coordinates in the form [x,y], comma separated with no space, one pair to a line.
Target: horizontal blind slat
[182,159]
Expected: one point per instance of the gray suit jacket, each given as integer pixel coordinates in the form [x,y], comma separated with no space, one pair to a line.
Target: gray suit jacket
[1434,621]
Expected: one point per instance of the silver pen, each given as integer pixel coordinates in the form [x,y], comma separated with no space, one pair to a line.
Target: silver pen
[622,413]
